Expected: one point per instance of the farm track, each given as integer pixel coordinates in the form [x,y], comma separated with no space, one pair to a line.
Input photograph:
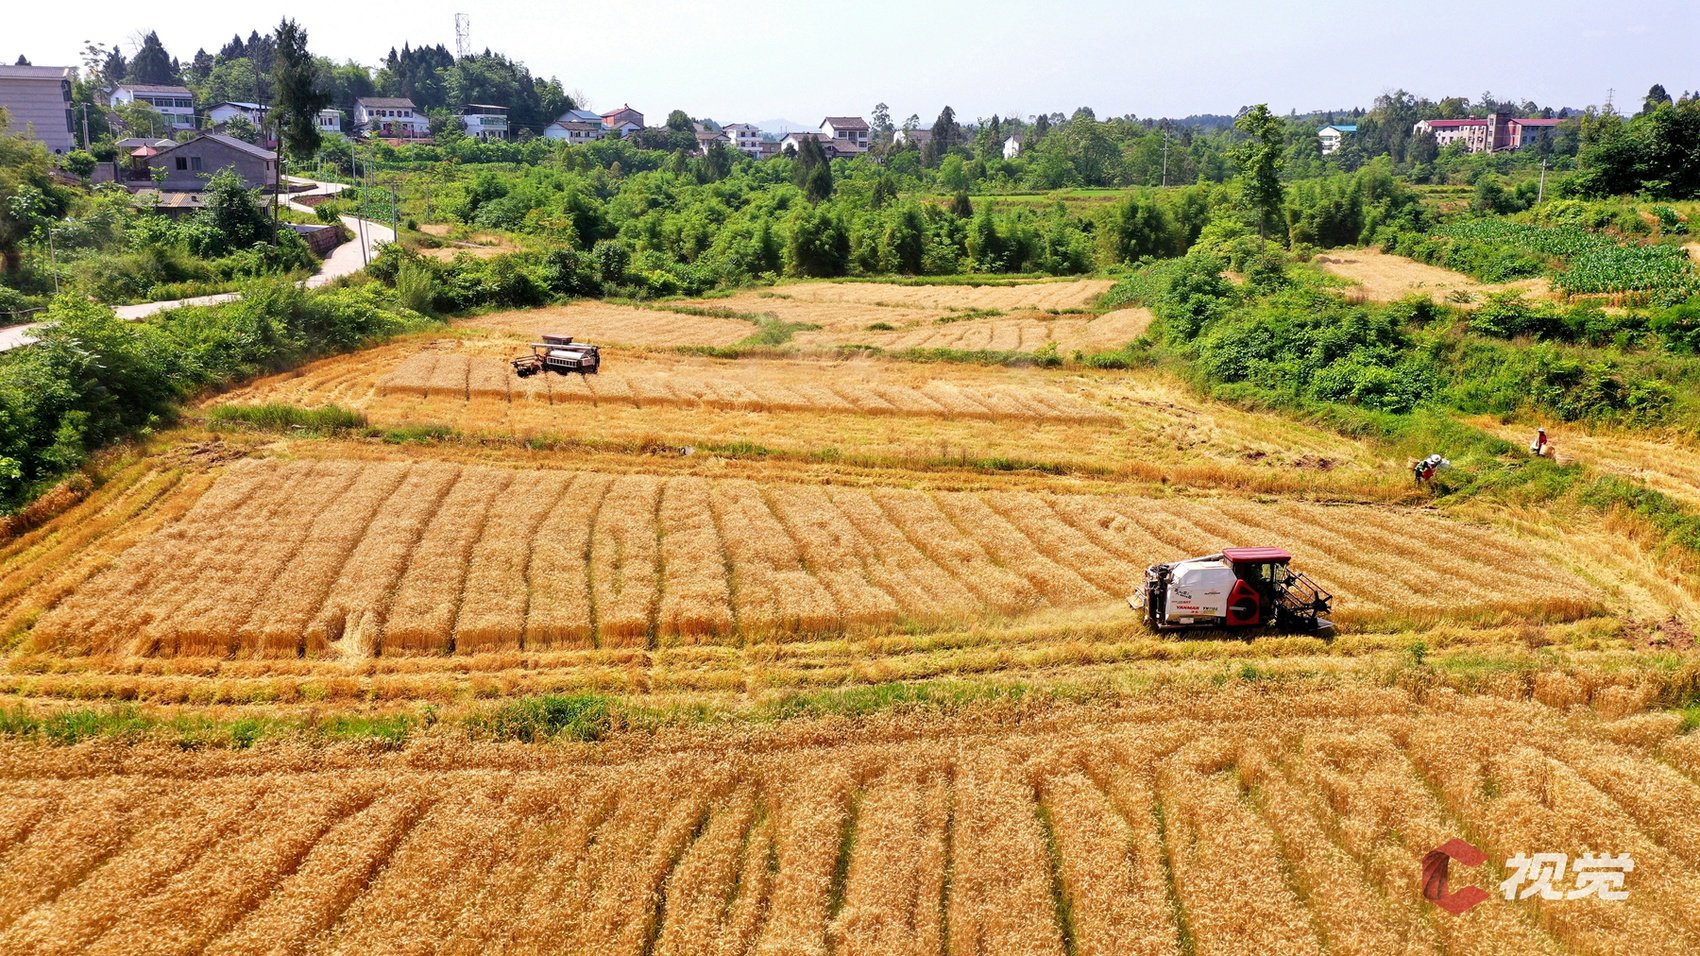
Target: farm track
[384,549]
[1214,822]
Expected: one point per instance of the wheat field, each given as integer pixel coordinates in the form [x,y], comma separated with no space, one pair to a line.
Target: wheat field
[607,324]
[1018,332]
[284,558]
[1216,823]
[459,375]
[1061,294]
[858,627]
[1140,424]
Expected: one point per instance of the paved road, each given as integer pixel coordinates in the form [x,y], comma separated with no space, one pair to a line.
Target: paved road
[346,259]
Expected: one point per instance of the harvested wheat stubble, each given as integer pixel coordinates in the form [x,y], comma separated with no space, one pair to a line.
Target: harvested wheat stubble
[340,557]
[733,388]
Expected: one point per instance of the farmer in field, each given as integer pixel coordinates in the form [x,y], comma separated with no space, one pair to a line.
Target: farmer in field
[1540,447]
[1424,470]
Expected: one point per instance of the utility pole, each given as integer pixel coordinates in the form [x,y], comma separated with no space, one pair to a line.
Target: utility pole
[85,126]
[1541,193]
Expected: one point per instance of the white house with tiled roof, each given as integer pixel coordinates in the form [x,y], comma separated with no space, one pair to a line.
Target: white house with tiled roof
[392,117]
[848,133]
[175,103]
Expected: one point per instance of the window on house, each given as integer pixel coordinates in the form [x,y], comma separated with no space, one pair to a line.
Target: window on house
[182,163]
[195,163]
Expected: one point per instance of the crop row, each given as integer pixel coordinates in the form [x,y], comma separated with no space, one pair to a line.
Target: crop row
[284,558]
[1593,263]
[455,375]
[1297,827]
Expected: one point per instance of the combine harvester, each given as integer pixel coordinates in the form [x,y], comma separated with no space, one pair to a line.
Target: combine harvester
[561,354]
[1238,589]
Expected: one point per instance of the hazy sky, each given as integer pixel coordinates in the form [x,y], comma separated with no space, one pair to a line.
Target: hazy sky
[764,59]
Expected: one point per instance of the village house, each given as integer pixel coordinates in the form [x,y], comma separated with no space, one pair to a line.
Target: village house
[485,121]
[912,137]
[576,126]
[848,133]
[706,138]
[1012,145]
[330,121]
[392,117]
[1500,132]
[622,122]
[743,137]
[223,113]
[188,165]
[175,104]
[1333,137]
[38,99]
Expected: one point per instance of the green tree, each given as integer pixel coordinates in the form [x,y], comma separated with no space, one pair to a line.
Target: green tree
[151,64]
[1260,161]
[299,95]
[946,134]
[819,245]
[812,171]
[28,198]
[1655,98]
[234,211]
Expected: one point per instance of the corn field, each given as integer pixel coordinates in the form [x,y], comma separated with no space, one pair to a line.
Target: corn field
[1213,823]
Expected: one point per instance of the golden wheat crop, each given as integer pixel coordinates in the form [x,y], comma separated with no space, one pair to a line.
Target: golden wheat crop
[1017,332]
[606,324]
[732,387]
[281,558]
[1063,294]
[1217,822]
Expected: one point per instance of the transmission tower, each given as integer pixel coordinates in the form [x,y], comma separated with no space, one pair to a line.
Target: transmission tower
[463,36]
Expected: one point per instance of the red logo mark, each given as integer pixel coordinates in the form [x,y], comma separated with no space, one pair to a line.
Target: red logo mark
[1435,866]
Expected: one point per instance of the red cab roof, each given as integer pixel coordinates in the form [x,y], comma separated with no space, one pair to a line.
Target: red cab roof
[1257,555]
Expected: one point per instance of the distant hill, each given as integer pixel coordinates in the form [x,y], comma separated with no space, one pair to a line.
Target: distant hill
[779,127]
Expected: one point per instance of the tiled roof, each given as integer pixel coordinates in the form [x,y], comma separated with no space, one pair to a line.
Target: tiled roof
[845,122]
[386,102]
[154,88]
[34,72]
